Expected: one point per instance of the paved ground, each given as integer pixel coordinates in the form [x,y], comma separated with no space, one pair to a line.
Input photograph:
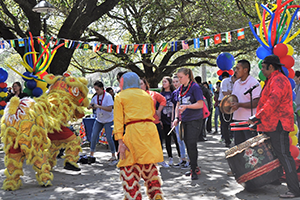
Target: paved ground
[101,181]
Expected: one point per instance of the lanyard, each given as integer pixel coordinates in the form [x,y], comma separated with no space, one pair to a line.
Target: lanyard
[101,99]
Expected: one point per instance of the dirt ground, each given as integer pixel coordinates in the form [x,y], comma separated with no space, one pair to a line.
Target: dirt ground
[101,181]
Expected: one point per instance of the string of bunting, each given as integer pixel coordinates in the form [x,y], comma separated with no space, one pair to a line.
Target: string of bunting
[130,48]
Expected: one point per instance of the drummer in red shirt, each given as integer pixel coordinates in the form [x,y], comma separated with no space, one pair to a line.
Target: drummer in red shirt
[275,111]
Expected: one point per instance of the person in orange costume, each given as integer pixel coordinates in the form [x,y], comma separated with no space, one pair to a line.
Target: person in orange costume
[140,147]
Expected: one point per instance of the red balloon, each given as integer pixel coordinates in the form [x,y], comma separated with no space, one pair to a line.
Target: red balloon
[294,151]
[280,50]
[3,85]
[219,72]
[231,72]
[288,61]
[291,73]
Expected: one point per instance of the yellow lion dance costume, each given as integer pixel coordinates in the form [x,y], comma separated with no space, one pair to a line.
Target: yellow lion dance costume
[32,129]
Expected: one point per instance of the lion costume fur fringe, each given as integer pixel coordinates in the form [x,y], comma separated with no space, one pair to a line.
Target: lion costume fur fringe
[27,122]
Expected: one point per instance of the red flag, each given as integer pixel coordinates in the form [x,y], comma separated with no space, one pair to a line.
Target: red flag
[217,38]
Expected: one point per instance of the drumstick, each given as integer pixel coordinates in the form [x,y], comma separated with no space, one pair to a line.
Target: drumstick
[238,123]
[171,130]
[241,129]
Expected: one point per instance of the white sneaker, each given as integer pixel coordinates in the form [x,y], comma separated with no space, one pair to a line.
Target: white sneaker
[170,161]
[164,164]
[113,163]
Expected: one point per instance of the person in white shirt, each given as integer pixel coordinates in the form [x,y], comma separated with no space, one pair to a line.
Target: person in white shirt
[242,109]
[226,89]
[103,103]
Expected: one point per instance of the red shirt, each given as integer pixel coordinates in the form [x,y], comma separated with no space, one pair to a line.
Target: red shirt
[276,103]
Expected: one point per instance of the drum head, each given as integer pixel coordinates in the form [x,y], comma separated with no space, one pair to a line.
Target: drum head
[225,105]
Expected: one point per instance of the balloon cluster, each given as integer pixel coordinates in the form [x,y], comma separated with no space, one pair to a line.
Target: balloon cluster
[225,62]
[3,89]
[274,41]
[36,66]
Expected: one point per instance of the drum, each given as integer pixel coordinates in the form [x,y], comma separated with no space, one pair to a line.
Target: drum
[253,162]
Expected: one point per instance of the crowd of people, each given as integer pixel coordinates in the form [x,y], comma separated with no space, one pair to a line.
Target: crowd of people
[139,123]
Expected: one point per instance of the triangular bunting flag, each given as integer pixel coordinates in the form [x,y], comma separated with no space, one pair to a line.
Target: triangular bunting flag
[185,45]
[228,37]
[217,38]
[95,47]
[240,34]
[71,44]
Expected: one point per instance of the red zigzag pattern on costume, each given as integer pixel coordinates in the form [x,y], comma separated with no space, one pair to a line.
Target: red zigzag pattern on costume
[131,176]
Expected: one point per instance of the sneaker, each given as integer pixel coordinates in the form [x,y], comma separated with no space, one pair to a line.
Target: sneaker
[197,172]
[227,145]
[180,164]
[69,166]
[186,165]
[194,176]
[170,161]
[113,162]
[221,140]
[91,160]
[287,195]
[164,164]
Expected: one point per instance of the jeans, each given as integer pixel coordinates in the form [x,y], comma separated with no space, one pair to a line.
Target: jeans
[180,143]
[217,113]
[191,135]
[281,146]
[298,124]
[97,127]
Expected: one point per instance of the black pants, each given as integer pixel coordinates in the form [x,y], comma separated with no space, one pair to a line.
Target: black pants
[208,122]
[225,127]
[168,140]
[281,147]
[160,133]
[191,134]
[242,136]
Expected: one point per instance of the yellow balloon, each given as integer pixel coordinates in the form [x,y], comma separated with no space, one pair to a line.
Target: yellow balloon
[262,84]
[44,89]
[294,140]
[290,50]
[3,94]
[292,133]
[41,84]
[1,112]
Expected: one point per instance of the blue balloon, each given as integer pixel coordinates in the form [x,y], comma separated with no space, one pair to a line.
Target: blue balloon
[37,92]
[225,61]
[4,89]
[27,74]
[262,52]
[3,75]
[286,71]
[220,78]
[294,96]
[31,84]
[292,82]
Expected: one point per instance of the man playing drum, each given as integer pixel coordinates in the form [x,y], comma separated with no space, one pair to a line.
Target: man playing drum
[242,108]
[275,111]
